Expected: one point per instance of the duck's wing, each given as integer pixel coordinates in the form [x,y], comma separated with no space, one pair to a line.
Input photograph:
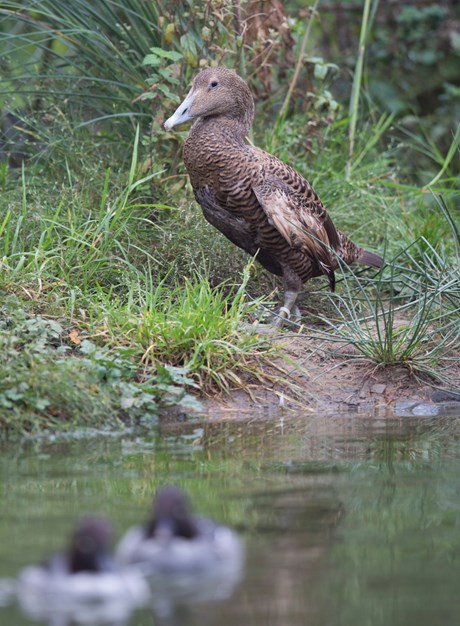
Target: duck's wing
[301,220]
[235,228]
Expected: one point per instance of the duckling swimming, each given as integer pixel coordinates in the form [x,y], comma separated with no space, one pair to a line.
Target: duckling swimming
[84,582]
[174,540]
[187,559]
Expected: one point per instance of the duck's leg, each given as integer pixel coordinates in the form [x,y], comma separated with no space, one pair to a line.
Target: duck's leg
[289,311]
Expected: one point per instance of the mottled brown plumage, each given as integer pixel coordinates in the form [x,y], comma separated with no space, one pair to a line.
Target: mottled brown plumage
[258,202]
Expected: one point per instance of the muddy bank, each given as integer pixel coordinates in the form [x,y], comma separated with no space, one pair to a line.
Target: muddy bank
[306,378]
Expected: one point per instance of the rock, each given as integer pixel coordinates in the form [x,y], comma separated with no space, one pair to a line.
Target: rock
[378,388]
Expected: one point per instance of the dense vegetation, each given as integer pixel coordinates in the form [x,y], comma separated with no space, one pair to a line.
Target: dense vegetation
[117,296]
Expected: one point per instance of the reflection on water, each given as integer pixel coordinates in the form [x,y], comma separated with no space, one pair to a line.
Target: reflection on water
[347,521]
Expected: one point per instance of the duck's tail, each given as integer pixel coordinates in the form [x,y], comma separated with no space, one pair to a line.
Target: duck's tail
[365,257]
[350,253]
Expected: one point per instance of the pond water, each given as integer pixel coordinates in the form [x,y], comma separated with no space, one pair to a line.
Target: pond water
[346,521]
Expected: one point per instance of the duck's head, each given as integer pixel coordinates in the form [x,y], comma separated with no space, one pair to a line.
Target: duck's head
[171,516]
[90,546]
[216,92]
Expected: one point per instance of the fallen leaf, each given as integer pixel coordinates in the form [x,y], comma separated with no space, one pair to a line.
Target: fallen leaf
[73,336]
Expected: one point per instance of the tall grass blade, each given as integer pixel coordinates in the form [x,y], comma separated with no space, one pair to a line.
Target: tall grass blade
[357,79]
[447,160]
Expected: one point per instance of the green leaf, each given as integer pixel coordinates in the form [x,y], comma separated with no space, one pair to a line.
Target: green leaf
[172,55]
[320,71]
[151,59]
[168,93]
[166,73]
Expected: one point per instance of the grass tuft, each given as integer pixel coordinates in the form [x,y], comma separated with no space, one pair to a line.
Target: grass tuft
[406,316]
[195,326]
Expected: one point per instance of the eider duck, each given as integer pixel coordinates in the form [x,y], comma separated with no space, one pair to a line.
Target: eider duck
[259,203]
[174,540]
[185,558]
[85,581]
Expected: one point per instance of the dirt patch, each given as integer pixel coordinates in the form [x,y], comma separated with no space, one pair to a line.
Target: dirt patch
[308,378]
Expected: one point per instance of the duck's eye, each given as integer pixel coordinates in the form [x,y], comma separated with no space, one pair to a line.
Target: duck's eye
[214,83]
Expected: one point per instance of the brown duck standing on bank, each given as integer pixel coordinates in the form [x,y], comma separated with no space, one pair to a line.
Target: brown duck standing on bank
[258,202]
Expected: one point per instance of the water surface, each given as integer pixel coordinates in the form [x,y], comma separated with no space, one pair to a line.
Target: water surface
[347,521]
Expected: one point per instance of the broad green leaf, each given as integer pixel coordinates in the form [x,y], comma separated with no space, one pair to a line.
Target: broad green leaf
[151,59]
[172,55]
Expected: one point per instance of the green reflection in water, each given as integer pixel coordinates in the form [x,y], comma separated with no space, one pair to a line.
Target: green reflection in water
[346,520]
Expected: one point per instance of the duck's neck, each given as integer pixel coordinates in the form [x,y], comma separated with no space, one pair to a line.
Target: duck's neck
[88,561]
[221,128]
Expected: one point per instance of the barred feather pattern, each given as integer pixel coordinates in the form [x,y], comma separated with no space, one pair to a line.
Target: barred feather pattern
[261,204]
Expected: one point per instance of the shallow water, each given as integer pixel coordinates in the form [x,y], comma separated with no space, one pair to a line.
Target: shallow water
[346,521]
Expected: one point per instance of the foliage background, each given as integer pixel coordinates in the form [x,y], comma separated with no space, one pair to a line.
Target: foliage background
[87,62]
[97,217]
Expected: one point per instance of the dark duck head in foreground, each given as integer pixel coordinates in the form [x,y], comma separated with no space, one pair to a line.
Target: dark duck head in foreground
[258,202]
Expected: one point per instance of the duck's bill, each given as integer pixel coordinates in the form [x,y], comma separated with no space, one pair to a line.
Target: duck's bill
[182,113]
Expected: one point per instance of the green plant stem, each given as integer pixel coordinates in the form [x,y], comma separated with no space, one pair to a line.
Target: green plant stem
[298,65]
[449,156]
[357,79]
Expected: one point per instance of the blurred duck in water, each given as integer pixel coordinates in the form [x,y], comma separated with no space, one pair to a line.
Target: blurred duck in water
[85,582]
[186,558]
[174,540]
